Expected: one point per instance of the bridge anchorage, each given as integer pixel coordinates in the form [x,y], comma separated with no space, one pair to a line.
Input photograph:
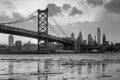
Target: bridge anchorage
[41,34]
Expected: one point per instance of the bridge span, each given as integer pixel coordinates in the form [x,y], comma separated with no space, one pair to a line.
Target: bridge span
[33,34]
[41,34]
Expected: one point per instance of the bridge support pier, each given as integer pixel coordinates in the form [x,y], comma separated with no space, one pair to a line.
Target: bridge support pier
[42,45]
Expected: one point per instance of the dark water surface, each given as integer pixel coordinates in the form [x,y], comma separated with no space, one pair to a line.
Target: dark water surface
[60,67]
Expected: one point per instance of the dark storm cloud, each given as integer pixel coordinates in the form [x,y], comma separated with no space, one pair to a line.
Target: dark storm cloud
[54,9]
[66,6]
[113,6]
[75,11]
[95,2]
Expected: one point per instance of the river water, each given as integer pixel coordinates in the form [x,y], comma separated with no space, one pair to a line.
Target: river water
[98,66]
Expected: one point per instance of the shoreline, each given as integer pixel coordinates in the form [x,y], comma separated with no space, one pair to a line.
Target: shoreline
[42,53]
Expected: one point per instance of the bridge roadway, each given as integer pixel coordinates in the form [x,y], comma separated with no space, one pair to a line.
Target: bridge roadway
[33,34]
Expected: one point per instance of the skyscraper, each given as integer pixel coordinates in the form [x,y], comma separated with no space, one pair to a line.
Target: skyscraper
[99,37]
[79,42]
[94,38]
[11,40]
[94,42]
[72,36]
[104,39]
[90,39]
[80,37]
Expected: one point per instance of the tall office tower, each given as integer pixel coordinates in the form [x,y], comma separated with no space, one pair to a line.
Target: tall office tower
[72,36]
[80,37]
[79,42]
[94,42]
[98,37]
[90,39]
[104,39]
[11,40]
[95,38]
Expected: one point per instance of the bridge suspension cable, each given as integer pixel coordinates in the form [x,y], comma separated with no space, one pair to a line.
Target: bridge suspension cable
[53,30]
[31,16]
[57,24]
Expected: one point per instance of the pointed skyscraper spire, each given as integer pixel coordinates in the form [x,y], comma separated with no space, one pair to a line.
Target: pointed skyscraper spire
[80,36]
[99,36]
[72,36]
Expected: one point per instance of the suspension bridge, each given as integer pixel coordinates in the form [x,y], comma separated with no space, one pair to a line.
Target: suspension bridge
[42,30]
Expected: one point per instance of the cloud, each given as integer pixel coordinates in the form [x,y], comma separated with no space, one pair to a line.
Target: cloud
[66,11]
[54,9]
[6,8]
[95,2]
[23,7]
[66,6]
[7,19]
[75,11]
[113,6]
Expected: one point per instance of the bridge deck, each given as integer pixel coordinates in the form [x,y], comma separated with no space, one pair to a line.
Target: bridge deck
[33,34]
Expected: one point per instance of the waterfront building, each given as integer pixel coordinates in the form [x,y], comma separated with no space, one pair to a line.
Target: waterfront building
[11,40]
[29,46]
[107,43]
[84,42]
[112,44]
[18,44]
[99,37]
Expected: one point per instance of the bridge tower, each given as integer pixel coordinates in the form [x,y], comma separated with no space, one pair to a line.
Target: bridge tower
[43,27]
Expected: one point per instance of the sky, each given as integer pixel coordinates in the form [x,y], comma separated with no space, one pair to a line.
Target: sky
[72,15]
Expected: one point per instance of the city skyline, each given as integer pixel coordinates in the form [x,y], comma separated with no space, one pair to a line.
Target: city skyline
[59,39]
[91,39]
[86,15]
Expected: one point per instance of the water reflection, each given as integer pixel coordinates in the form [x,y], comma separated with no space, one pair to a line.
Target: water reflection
[59,69]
